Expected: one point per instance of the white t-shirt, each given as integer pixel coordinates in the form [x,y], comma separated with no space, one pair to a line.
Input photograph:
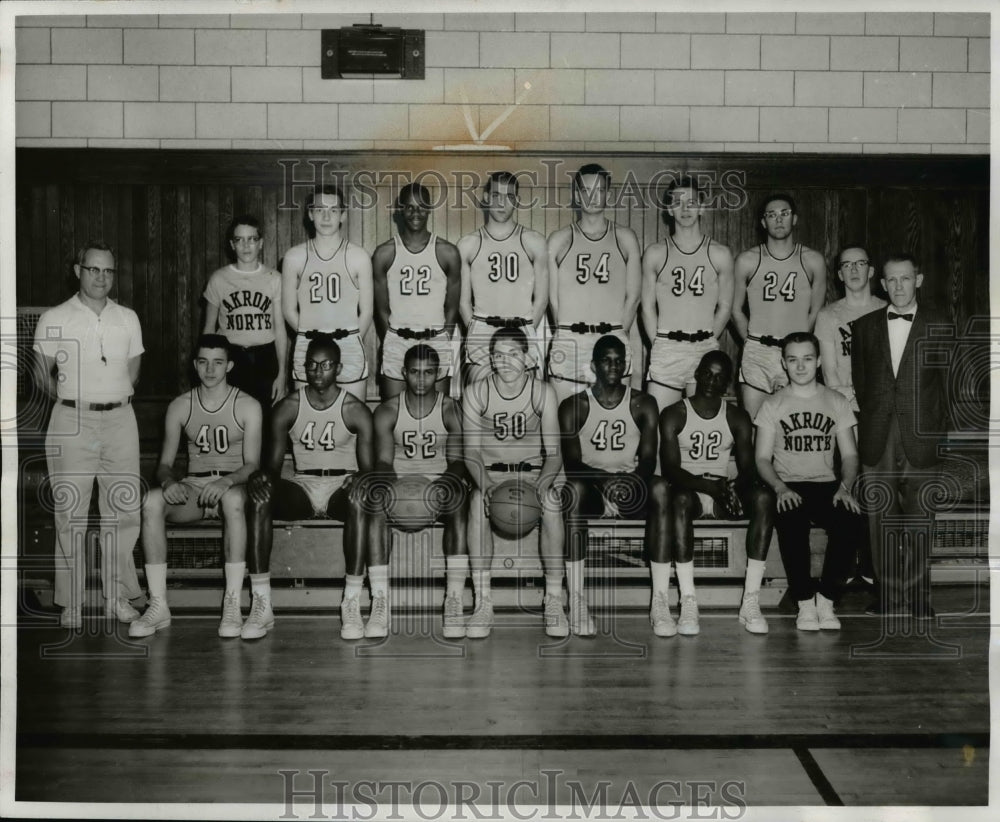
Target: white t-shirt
[246,301]
[91,351]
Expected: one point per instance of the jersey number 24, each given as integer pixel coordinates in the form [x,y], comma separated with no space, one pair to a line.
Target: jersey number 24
[787,289]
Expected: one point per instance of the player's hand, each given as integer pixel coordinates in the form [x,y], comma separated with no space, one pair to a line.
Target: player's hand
[176,493]
[212,493]
[357,488]
[488,498]
[259,487]
[716,487]
[279,388]
[847,499]
[788,499]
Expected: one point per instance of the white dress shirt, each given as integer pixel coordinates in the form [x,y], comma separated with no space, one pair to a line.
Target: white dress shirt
[899,331]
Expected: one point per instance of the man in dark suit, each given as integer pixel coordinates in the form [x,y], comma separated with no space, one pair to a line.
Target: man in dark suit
[899,360]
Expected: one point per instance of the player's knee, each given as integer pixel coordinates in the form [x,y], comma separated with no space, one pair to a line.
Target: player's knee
[233,501]
[684,501]
[659,494]
[572,494]
[762,501]
[154,506]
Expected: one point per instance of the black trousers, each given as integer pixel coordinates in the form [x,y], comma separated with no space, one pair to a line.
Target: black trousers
[843,529]
[254,370]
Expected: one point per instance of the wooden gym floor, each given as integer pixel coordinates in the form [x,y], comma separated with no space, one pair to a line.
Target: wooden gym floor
[880,713]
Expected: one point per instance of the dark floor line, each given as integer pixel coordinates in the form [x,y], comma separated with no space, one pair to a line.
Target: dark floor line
[444,742]
[817,777]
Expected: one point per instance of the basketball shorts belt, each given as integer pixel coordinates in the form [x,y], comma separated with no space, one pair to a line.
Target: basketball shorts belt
[395,346]
[673,362]
[760,367]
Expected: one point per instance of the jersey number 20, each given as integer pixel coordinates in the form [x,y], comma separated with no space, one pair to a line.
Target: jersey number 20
[316,287]
[600,439]
[705,446]
[325,441]
[219,438]
[787,289]
[421,286]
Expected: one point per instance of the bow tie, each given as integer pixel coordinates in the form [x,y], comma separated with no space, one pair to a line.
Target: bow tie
[907,317]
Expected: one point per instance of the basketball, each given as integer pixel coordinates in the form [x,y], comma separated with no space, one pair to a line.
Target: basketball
[408,504]
[515,508]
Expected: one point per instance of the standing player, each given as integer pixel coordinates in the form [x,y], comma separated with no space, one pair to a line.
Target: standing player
[783,284]
[331,435]
[418,279]
[420,432]
[505,279]
[798,430]
[833,330]
[609,450]
[223,430]
[595,283]
[699,434]
[512,430]
[327,287]
[88,352]
[687,294]
[244,303]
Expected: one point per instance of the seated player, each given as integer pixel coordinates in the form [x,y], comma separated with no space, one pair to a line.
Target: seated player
[798,430]
[609,452]
[418,279]
[420,432]
[698,435]
[223,430]
[331,435]
[687,294]
[504,276]
[511,429]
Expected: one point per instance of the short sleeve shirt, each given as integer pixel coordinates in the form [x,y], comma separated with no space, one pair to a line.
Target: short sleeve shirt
[805,432]
[91,351]
[246,301]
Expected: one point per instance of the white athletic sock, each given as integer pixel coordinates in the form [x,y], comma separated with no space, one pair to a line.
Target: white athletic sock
[260,584]
[574,577]
[234,576]
[156,579]
[660,573]
[457,569]
[553,583]
[353,585]
[481,583]
[685,578]
[755,575]
[378,578]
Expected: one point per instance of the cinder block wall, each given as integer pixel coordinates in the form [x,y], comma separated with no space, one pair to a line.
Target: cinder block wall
[782,82]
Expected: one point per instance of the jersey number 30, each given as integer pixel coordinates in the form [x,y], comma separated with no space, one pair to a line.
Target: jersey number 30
[422,276]
[502,267]
[787,289]
[325,441]
[427,450]
[705,446]
[616,442]
[219,438]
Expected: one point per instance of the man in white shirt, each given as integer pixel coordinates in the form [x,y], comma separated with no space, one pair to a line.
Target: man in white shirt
[87,357]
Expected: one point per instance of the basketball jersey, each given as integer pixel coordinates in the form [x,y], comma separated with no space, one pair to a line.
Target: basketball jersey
[705,444]
[245,300]
[609,438]
[417,286]
[834,323]
[502,276]
[320,437]
[592,278]
[215,438]
[420,443]
[779,293]
[687,289]
[328,293]
[512,429]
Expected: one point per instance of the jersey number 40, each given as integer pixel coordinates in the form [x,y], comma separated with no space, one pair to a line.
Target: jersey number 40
[325,441]
[219,438]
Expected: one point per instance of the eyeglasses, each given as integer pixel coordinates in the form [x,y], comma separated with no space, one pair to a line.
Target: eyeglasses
[855,265]
[94,270]
[325,210]
[785,212]
[323,365]
[245,240]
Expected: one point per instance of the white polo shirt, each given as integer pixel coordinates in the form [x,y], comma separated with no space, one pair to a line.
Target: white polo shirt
[77,339]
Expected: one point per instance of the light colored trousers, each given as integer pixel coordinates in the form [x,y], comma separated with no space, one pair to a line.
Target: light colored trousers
[81,445]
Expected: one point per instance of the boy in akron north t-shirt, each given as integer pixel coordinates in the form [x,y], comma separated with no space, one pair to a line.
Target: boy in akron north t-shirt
[798,430]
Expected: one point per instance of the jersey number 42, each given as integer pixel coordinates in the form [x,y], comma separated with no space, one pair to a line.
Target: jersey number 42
[601,439]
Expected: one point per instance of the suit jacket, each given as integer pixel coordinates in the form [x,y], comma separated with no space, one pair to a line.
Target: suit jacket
[917,396]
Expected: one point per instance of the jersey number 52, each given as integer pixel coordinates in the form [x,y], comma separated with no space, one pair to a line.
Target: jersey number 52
[427,450]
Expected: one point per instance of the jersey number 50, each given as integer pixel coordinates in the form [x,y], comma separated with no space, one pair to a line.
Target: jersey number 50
[509,425]
[422,285]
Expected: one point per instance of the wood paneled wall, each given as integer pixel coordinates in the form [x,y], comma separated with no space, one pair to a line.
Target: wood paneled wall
[165,213]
